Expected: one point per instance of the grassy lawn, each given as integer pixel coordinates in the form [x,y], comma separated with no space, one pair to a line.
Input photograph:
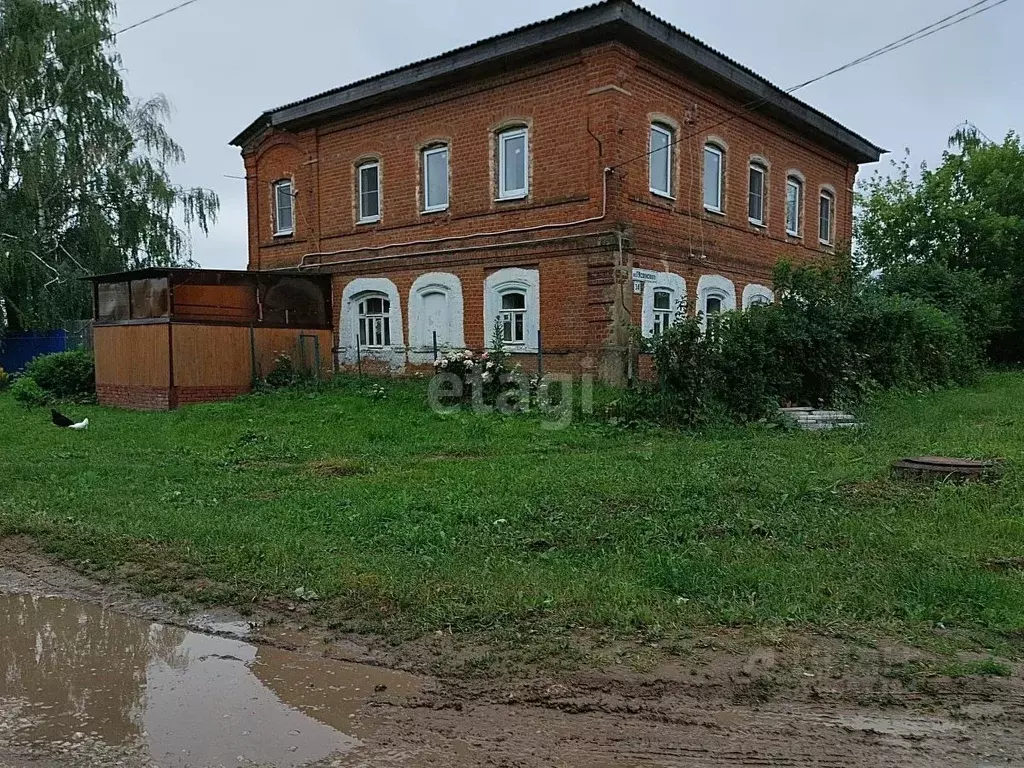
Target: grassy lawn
[400,518]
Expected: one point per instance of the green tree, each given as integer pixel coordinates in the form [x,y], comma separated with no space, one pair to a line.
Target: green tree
[84,171]
[954,236]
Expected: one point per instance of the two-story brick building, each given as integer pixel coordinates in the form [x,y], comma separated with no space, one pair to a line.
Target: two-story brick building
[530,177]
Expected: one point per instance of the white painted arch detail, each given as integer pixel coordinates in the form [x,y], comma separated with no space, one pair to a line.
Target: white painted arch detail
[753,292]
[348,329]
[504,281]
[666,281]
[717,286]
[435,304]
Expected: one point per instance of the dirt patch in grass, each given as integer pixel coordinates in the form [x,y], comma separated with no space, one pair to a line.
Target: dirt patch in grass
[338,468]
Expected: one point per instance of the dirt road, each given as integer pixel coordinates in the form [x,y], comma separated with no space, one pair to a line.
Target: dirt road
[94,676]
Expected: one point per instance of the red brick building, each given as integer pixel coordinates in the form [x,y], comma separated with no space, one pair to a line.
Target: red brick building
[571,179]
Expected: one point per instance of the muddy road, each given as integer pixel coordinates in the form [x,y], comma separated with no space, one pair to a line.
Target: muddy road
[91,675]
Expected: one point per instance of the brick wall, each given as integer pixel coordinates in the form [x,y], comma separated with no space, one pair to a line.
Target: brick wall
[585,112]
[162,398]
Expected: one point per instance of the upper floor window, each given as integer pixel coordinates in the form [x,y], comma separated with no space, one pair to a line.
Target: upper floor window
[435,178]
[513,163]
[714,165]
[284,208]
[662,311]
[375,321]
[794,205]
[513,317]
[369,192]
[661,159]
[755,203]
[825,217]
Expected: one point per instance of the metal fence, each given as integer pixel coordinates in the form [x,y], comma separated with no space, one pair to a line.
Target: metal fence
[18,349]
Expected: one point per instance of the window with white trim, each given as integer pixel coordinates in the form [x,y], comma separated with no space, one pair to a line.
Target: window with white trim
[374,321]
[713,304]
[794,205]
[756,194]
[284,208]
[369,192]
[662,311]
[513,163]
[513,317]
[826,210]
[661,138]
[435,178]
[714,167]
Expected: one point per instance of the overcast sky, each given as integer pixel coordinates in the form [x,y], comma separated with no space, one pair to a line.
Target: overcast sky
[222,62]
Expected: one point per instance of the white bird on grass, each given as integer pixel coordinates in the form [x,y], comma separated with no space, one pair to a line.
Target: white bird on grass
[61,420]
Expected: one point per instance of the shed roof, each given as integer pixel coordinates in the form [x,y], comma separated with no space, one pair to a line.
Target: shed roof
[621,20]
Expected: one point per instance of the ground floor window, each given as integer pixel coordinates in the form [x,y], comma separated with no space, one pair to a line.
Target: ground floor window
[513,317]
[512,307]
[662,311]
[375,322]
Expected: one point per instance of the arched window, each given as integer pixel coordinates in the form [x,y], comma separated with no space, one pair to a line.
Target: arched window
[284,208]
[715,294]
[827,209]
[661,141]
[513,317]
[664,297]
[512,298]
[662,311]
[435,313]
[374,321]
[755,295]
[794,205]
[513,163]
[757,192]
[714,176]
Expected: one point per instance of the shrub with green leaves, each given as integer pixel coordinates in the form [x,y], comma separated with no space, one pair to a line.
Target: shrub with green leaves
[65,375]
[27,391]
[5,379]
[284,373]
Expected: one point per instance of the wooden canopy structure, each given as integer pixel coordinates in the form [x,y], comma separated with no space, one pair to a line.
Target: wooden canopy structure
[169,336]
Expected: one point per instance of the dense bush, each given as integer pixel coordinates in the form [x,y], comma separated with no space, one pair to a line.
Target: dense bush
[27,391]
[65,375]
[284,373]
[822,344]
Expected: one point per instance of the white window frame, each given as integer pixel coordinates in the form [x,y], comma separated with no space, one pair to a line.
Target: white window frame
[795,182]
[509,317]
[715,149]
[380,332]
[719,287]
[278,187]
[504,137]
[675,286]
[827,195]
[502,281]
[363,218]
[436,150]
[663,316]
[756,167]
[755,294]
[670,135]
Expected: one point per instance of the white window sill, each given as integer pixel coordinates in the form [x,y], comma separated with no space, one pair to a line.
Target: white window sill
[512,196]
[716,211]
[665,195]
[797,235]
[825,243]
[756,223]
[285,233]
[374,220]
[434,209]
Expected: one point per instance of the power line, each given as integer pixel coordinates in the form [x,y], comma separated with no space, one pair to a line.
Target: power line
[946,22]
[154,17]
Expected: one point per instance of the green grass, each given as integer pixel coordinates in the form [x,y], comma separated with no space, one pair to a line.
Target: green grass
[400,518]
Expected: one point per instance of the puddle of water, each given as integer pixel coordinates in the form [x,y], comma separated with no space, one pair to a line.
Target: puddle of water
[183,699]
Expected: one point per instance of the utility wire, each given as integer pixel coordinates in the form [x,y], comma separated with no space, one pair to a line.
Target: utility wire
[154,17]
[930,29]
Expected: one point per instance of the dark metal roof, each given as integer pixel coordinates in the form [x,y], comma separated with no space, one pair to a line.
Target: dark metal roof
[610,19]
[194,272]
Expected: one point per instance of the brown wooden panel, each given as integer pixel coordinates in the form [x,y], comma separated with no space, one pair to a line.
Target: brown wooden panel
[270,342]
[215,302]
[132,355]
[211,356]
